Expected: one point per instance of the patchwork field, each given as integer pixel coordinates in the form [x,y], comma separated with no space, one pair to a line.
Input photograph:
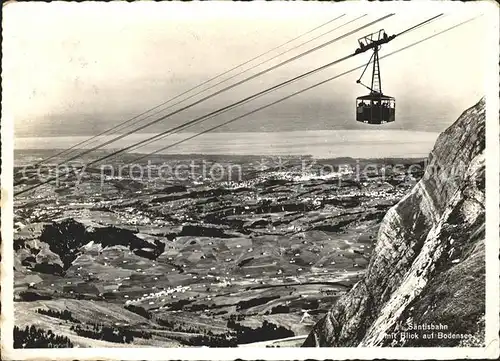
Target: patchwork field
[162,262]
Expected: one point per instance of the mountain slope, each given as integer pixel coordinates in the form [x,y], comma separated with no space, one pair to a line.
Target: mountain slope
[428,263]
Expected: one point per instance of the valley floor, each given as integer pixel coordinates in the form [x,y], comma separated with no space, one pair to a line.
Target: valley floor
[196,263]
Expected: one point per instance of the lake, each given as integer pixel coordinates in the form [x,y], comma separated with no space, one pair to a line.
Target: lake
[374,143]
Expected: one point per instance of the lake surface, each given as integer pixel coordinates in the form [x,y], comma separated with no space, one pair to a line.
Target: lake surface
[319,144]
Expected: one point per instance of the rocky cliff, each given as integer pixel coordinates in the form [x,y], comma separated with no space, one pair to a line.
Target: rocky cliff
[428,266]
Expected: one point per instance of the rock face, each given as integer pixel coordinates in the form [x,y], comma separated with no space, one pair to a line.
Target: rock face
[428,266]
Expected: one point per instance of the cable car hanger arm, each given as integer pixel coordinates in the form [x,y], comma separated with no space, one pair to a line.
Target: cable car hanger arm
[385,38]
[374,41]
[363,73]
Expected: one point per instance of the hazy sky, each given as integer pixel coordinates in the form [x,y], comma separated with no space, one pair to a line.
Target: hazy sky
[78,69]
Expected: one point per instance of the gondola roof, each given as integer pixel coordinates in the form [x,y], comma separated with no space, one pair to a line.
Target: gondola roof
[375,97]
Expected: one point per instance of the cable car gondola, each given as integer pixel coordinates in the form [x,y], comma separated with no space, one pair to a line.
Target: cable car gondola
[374,108]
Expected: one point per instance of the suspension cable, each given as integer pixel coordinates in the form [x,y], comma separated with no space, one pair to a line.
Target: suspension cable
[237,104]
[187,91]
[240,73]
[428,21]
[258,94]
[300,91]
[121,136]
[84,152]
[366,67]
[212,115]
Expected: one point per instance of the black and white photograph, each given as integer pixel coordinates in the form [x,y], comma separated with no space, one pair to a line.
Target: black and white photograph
[250,180]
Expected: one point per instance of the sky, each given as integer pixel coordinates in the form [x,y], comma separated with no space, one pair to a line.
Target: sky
[78,69]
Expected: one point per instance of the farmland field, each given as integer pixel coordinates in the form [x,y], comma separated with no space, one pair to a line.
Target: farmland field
[158,261]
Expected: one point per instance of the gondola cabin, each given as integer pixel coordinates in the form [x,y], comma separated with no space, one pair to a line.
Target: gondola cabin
[375,109]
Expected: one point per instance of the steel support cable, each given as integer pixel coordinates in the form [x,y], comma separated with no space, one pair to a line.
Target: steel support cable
[209,116]
[236,104]
[226,108]
[134,118]
[426,22]
[423,23]
[235,75]
[300,91]
[274,67]
[256,110]
[244,71]
[218,92]
[366,67]
[84,152]
[187,91]
[194,121]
